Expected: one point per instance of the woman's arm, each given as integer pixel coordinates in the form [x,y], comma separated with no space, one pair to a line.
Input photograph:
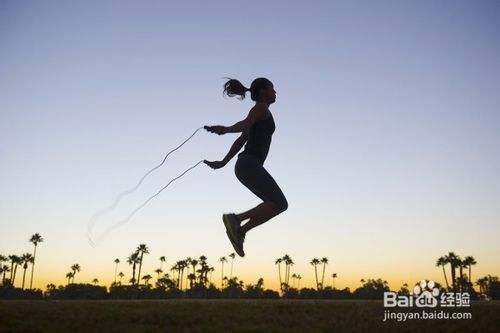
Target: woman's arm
[238,143]
[258,112]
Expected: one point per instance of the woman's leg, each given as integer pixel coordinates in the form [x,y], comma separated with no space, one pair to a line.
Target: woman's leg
[263,185]
[262,209]
[258,215]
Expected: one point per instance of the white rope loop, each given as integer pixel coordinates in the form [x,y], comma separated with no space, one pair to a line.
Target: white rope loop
[120,196]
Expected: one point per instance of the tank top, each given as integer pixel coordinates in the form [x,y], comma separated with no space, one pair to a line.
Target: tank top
[259,138]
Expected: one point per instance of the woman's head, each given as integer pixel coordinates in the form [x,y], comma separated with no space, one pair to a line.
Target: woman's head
[261,90]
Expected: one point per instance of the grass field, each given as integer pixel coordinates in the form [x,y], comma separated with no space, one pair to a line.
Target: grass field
[227,316]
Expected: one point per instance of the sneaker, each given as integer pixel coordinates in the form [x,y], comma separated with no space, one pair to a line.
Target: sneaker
[234,242]
[233,231]
[240,240]
[231,223]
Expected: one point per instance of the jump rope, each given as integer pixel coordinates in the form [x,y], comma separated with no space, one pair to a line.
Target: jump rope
[93,220]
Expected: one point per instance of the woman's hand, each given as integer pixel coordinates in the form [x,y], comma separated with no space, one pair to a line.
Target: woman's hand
[214,164]
[216,129]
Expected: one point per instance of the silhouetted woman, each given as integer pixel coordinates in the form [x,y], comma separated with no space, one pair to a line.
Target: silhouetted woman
[256,131]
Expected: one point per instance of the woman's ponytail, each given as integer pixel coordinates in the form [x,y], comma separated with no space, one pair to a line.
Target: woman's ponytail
[234,87]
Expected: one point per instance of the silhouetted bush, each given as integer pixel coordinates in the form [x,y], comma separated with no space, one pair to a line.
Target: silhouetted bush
[291,293]
[307,293]
[494,290]
[371,289]
[78,291]
[7,291]
[123,292]
[269,293]
[233,289]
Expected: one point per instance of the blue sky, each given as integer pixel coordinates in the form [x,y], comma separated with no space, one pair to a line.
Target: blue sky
[387,140]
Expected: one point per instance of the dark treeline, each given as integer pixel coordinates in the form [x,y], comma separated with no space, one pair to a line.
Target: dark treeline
[234,288]
[192,278]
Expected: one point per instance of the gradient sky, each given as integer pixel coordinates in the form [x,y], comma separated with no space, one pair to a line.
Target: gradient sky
[387,143]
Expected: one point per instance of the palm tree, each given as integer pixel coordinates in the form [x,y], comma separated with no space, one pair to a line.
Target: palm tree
[185,267]
[210,270]
[315,262]
[182,266]
[75,268]
[469,261]
[14,262]
[120,275]
[133,259]
[2,267]
[334,276]
[299,277]
[482,283]
[286,259]
[324,261]
[117,261]
[461,265]
[17,263]
[191,278]
[69,275]
[179,266]
[222,260]
[232,255]
[51,287]
[35,239]
[141,249]
[204,276]
[26,259]
[294,276]
[95,281]
[4,270]
[454,261]
[158,271]
[289,263]
[203,272]
[442,261]
[176,268]
[146,279]
[162,260]
[194,263]
[11,258]
[187,263]
[278,262]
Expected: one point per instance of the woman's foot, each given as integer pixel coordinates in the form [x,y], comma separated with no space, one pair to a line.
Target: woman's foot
[233,231]
[240,241]
[235,244]
[231,223]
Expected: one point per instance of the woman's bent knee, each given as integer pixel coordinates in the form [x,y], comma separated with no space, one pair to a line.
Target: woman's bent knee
[281,205]
[284,205]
